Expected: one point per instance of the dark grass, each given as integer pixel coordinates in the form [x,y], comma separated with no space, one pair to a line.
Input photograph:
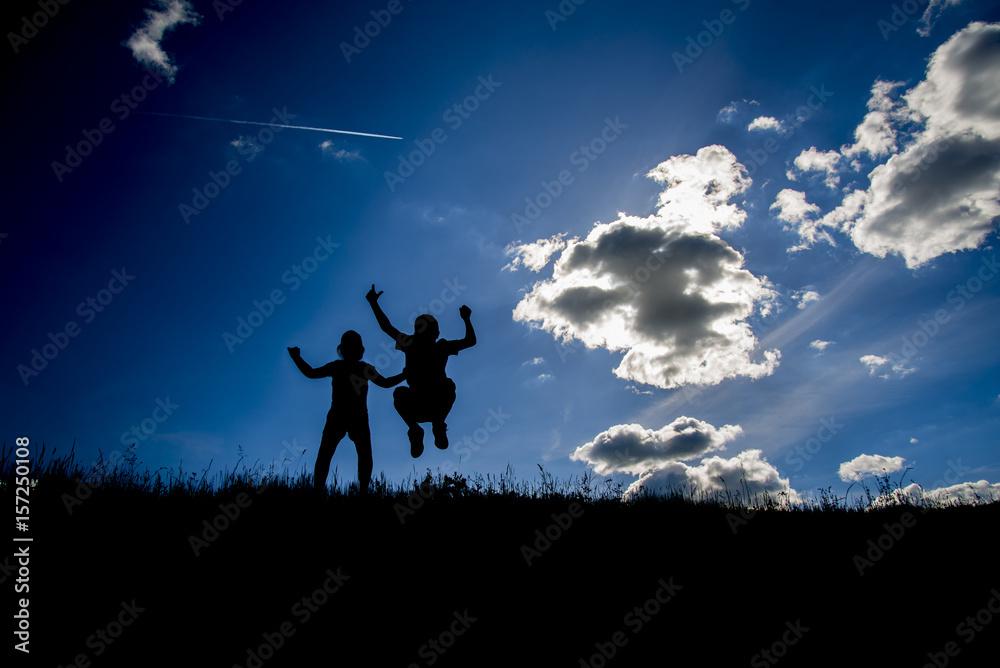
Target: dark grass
[419,551]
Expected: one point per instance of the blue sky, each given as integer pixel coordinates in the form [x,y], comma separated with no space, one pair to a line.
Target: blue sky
[694,237]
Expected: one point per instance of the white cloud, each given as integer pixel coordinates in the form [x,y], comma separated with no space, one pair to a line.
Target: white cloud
[729,112]
[664,289]
[876,363]
[797,213]
[765,123]
[873,362]
[962,493]
[937,190]
[876,135]
[914,440]
[534,361]
[820,345]
[813,160]
[145,41]
[715,475]
[630,448]
[329,150]
[805,297]
[534,255]
[934,9]
[866,465]
[243,144]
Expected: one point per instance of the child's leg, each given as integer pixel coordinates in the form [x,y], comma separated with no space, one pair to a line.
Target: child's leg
[405,401]
[362,436]
[333,432]
[442,406]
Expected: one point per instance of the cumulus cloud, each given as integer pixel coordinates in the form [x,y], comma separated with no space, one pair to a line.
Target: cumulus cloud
[792,208]
[629,448]
[813,160]
[713,475]
[820,344]
[145,41]
[664,289]
[765,123]
[936,191]
[964,493]
[805,297]
[866,465]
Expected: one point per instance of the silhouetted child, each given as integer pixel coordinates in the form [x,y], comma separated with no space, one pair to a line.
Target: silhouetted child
[349,410]
[431,393]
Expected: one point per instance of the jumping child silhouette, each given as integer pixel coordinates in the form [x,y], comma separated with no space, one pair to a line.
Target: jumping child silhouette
[431,393]
[349,410]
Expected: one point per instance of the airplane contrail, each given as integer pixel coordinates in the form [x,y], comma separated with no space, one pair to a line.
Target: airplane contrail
[270,125]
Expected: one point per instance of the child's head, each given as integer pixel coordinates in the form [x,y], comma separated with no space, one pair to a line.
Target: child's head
[426,327]
[350,347]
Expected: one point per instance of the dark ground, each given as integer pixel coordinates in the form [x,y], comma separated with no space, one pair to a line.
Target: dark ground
[454,573]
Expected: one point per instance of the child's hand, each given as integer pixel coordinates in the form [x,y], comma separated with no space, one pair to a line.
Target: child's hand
[464,311]
[373,296]
[293,351]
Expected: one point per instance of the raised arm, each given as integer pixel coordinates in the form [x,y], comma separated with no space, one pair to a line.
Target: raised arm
[383,321]
[470,333]
[306,370]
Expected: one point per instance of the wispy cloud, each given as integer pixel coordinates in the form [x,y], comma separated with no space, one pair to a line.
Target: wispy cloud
[145,41]
[329,150]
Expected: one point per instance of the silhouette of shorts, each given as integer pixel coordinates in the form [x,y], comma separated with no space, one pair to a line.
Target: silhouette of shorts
[427,402]
[356,428]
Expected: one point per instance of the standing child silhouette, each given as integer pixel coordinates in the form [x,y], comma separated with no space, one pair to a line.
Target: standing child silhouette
[349,410]
[431,393]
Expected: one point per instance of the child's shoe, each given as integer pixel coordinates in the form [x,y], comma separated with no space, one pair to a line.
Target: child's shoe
[440,436]
[416,434]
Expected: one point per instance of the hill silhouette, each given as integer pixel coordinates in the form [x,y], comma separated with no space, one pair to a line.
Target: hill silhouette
[248,570]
